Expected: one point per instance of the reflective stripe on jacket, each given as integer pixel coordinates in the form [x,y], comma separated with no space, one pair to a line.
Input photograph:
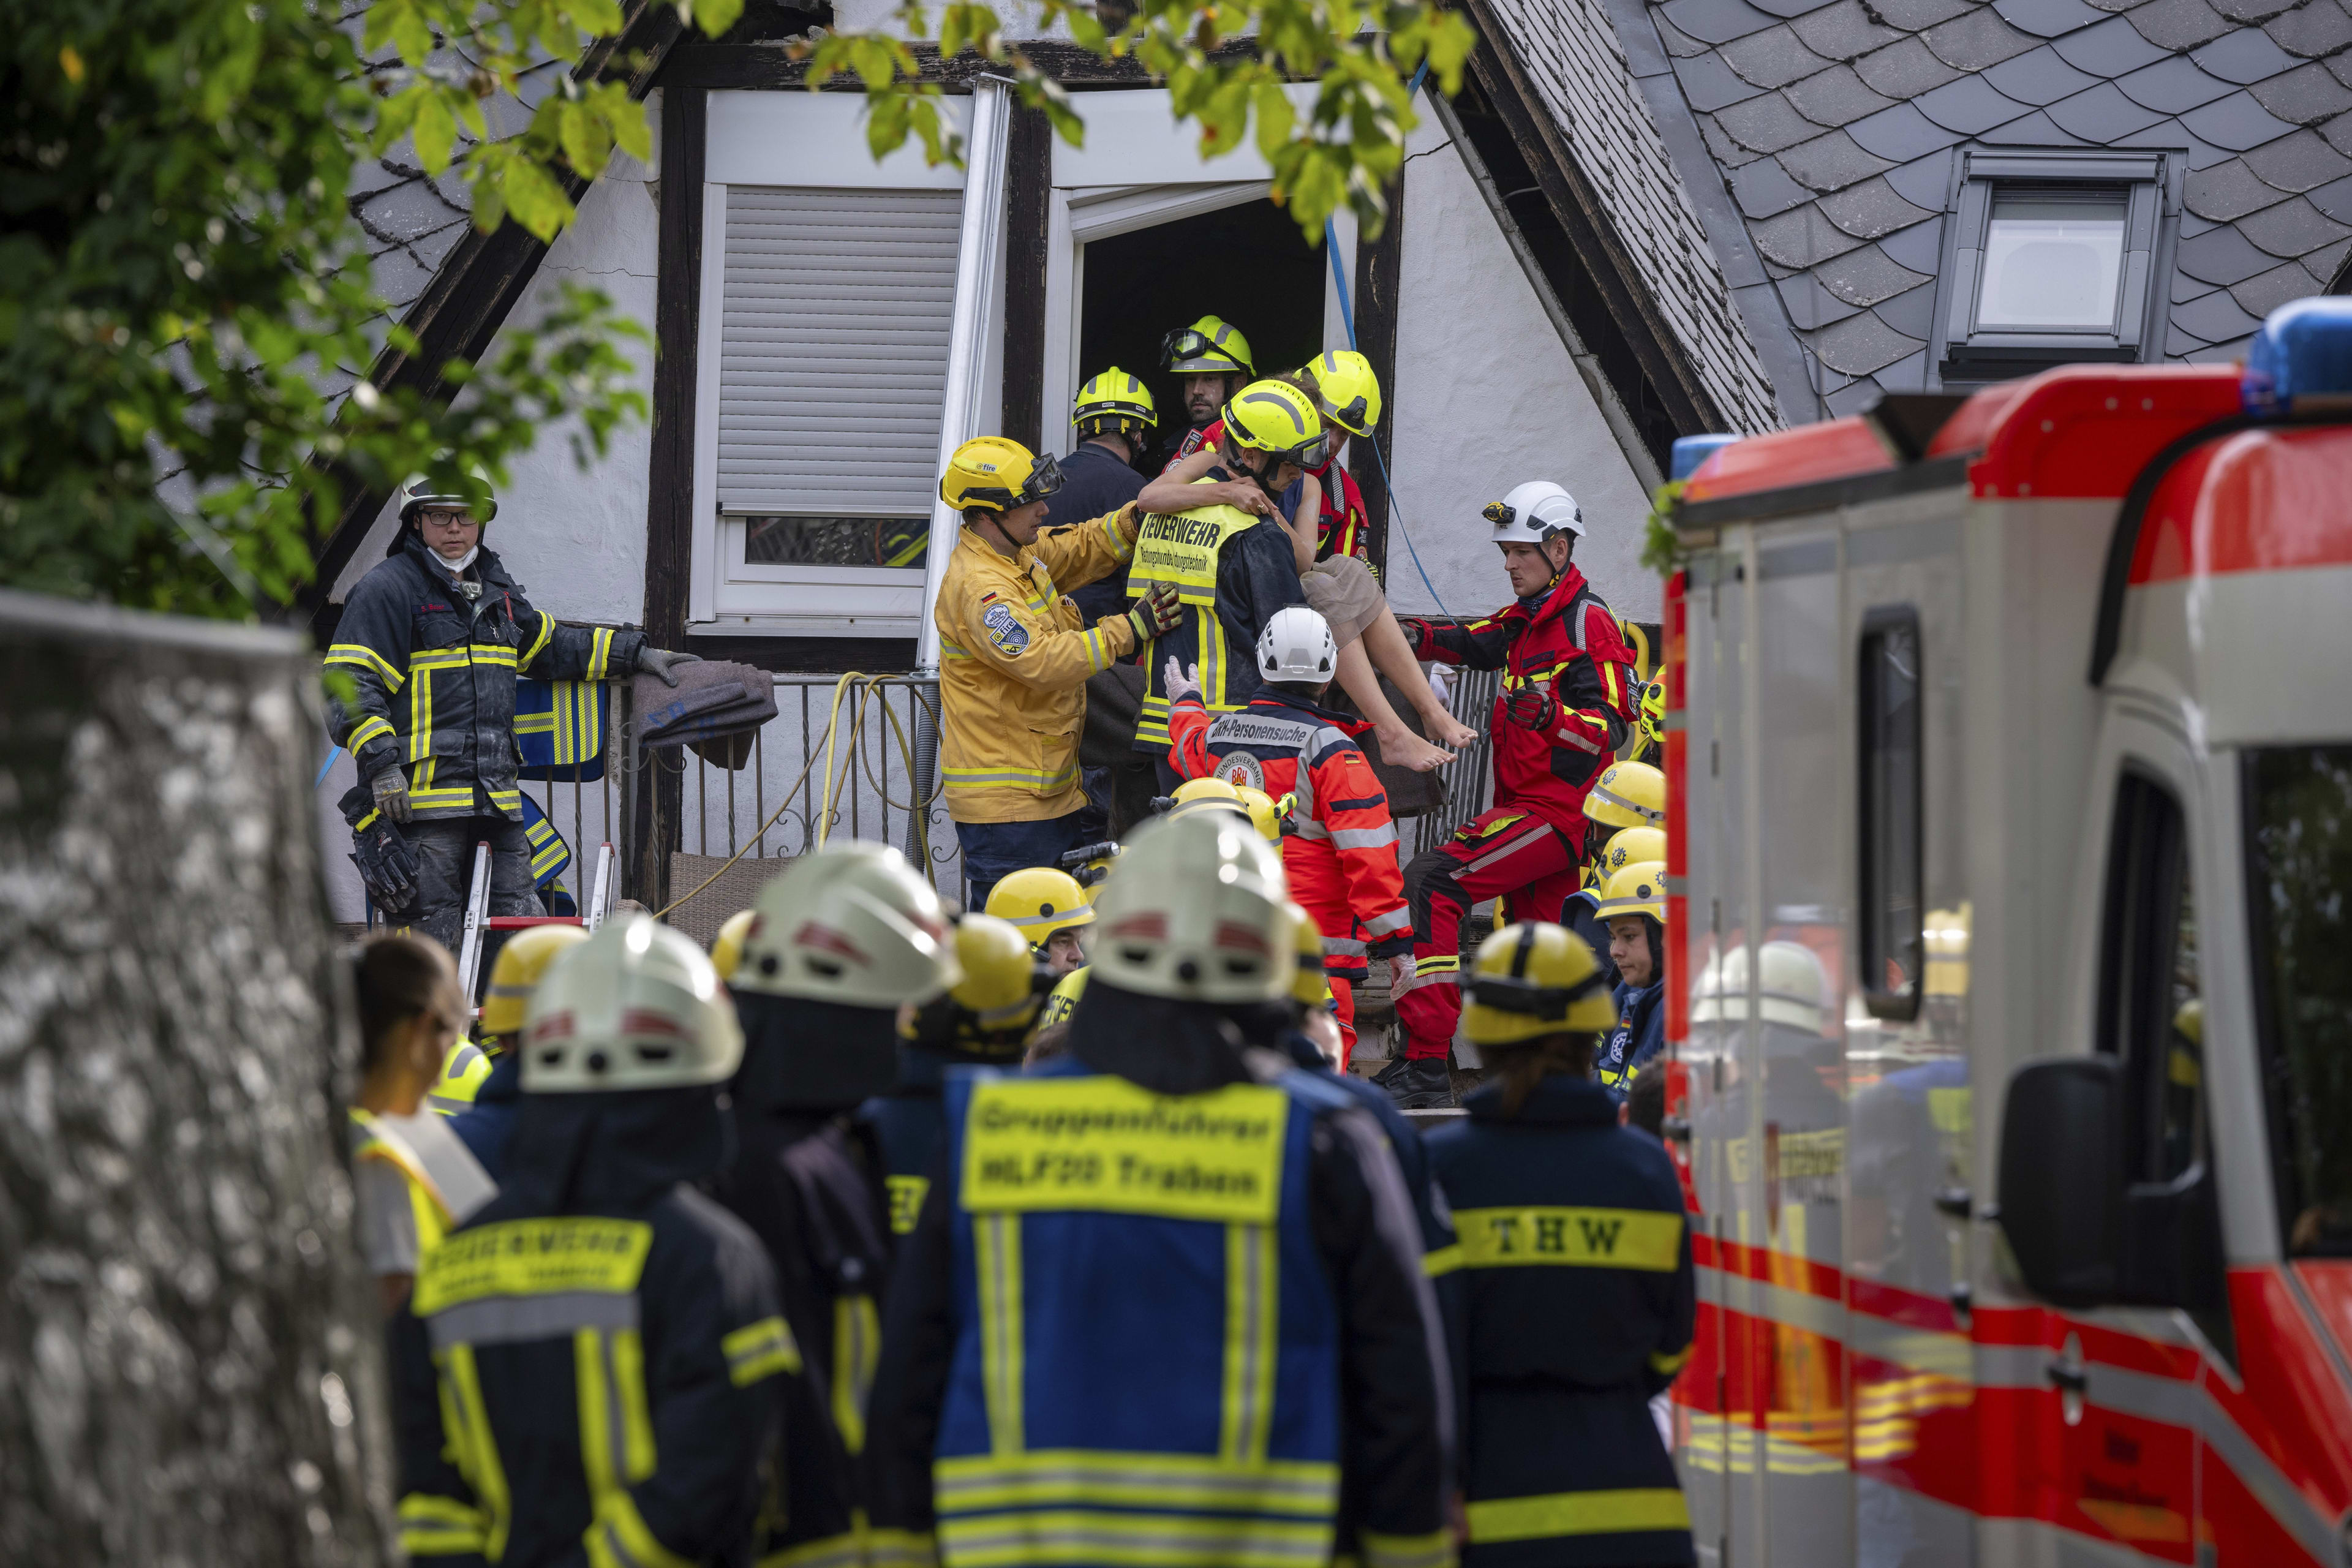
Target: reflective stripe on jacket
[436,677]
[1014,663]
[1344,854]
[1252,572]
[1570,644]
[1566,1217]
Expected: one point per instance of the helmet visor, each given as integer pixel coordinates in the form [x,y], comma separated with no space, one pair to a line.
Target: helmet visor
[1350,416]
[1193,352]
[1043,480]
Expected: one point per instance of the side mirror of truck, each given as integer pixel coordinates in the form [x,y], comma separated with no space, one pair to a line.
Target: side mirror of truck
[2082,1236]
[2062,1188]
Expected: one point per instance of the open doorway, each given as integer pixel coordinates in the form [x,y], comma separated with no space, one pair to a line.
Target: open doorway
[1246,263]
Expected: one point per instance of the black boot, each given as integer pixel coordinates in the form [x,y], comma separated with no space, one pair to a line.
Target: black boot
[1387,1076]
[1425,1085]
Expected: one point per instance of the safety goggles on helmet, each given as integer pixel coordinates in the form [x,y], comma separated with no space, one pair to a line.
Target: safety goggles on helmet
[1192,352]
[1353,416]
[1044,479]
[1307,452]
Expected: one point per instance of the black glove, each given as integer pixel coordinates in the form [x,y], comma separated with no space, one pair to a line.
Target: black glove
[1157,611]
[390,791]
[1416,632]
[659,661]
[387,866]
[1531,708]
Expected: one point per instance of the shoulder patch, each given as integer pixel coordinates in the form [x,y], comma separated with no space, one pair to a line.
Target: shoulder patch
[1241,769]
[1004,630]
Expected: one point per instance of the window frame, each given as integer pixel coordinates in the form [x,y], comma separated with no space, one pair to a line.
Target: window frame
[1891,1006]
[2159,847]
[1969,354]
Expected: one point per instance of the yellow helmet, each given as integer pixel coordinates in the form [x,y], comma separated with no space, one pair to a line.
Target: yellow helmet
[1653,710]
[1039,901]
[1638,889]
[993,473]
[1203,795]
[1345,390]
[987,1013]
[1275,417]
[1114,401]
[1629,846]
[727,947]
[1628,794]
[1532,979]
[1062,1000]
[515,976]
[1310,987]
[1208,347]
[1266,812]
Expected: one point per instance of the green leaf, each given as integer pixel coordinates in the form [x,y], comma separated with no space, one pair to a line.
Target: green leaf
[715,17]
[436,129]
[1274,118]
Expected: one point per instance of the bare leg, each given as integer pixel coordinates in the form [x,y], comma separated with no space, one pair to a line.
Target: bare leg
[1385,640]
[1399,747]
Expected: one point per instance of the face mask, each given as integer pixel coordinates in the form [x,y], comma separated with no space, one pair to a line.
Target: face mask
[454,567]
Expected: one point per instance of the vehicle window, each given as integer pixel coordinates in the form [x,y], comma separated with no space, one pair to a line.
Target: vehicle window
[1893,949]
[2299,879]
[2151,1010]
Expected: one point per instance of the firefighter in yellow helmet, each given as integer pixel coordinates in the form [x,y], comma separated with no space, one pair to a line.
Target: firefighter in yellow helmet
[1633,908]
[1212,359]
[1049,908]
[488,1122]
[1015,656]
[1565,1217]
[1114,417]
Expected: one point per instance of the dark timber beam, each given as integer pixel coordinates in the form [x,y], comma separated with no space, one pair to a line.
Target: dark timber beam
[1379,275]
[1028,201]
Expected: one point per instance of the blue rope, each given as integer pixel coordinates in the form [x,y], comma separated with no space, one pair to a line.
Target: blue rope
[332,752]
[1348,318]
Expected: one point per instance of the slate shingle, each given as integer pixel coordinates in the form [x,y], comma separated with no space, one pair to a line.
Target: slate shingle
[1865,277]
[1772,58]
[1872,208]
[2320,28]
[2101,115]
[1842,31]
[2214,318]
[1725,153]
[2222,255]
[2304,95]
[1901,133]
[2177,23]
[1913,16]
[1802,238]
[2337,132]
[1710,84]
[1904,70]
[2172,86]
[407,211]
[2293,228]
[2048,18]
[1835,97]
[1812,307]
[2109,49]
[2299,162]
[1854,398]
[1831,162]
[1766,124]
[1679,43]
[2251,10]
[2326,263]
[2265,292]
[2228,192]
[1976,40]
[1788,8]
[1863,343]
[2034,130]
[2237,122]
[2039,77]
[1924,181]
[1968,106]
[1911,312]
[1920,247]
[2334,199]
[1763,189]
[1720,21]
[2243,54]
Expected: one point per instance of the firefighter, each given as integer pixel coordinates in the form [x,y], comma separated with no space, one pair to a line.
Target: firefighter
[1048,907]
[1633,908]
[1212,359]
[1014,659]
[1565,1218]
[592,1371]
[1580,912]
[1626,795]
[1566,702]
[1089,1362]
[1341,857]
[412,1179]
[1061,1002]
[1115,417]
[485,1122]
[433,639]
[984,1017]
[841,942]
[1232,570]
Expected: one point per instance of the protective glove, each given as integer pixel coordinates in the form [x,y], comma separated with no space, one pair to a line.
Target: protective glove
[1157,611]
[1531,708]
[390,791]
[387,866]
[1415,630]
[1178,681]
[659,662]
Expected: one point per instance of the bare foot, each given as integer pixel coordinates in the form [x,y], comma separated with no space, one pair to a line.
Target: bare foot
[1401,748]
[1449,731]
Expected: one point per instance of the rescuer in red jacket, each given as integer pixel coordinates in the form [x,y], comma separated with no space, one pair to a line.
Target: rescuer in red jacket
[1342,859]
[1569,698]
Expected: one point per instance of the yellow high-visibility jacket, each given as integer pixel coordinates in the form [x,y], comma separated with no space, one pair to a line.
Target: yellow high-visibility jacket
[1014,663]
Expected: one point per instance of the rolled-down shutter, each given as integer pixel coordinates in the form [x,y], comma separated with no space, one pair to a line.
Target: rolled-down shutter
[834,350]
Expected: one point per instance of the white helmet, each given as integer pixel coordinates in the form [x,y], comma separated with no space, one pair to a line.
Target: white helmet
[1197,911]
[1793,989]
[1533,512]
[1297,646]
[636,1005]
[421,492]
[851,923]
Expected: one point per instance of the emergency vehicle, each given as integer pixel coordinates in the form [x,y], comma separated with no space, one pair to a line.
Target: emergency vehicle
[2010,749]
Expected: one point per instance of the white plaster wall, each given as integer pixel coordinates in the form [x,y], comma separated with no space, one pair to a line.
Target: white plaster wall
[1487,398]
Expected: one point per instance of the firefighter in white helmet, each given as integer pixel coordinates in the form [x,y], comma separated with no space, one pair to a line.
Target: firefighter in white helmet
[1143,1190]
[599,1268]
[486,1123]
[1567,701]
[840,943]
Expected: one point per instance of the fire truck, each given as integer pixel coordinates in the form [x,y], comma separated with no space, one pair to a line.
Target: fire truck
[2010,759]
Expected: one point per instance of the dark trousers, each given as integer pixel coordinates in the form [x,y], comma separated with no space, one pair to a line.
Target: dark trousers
[445,867]
[994,851]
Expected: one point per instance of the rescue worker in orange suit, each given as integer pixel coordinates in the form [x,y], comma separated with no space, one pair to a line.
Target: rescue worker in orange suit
[1342,857]
[839,944]
[1568,700]
[595,1369]
[1564,1217]
[1084,1368]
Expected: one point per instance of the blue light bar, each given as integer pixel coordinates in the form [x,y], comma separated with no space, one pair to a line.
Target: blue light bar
[2301,361]
[1690,451]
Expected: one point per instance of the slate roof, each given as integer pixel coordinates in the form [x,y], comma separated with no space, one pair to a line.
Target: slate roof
[1570,52]
[1822,159]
